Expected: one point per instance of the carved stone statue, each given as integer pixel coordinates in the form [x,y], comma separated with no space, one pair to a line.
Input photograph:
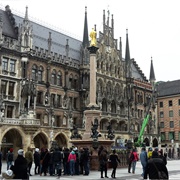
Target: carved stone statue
[93,37]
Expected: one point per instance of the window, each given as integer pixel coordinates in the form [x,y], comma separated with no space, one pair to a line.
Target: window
[5,64]
[58,100]
[161,104]
[3,86]
[171,135]
[70,81]
[171,124]
[10,111]
[75,103]
[171,113]
[59,79]
[161,114]
[40,74]
[39,99]
[162,125]
[38,116]
[12,65]
[11,88]
[53,99]
[170,103]
[33,72]
[163,137]
[53,77]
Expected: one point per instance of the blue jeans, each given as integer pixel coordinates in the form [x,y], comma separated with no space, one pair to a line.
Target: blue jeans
[133,166]
[86,167]
[72,167]
[9,164]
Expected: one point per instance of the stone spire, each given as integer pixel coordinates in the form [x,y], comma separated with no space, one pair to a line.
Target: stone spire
[152,78]
[86,35]
[127,57]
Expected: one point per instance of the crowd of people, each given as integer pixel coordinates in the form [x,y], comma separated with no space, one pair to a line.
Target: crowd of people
[74,161]
[47,162]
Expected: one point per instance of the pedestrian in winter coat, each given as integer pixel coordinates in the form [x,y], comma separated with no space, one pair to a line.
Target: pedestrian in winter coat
[20,167]
[143,159]
[103,159]
[44,159]
[153,163]
[29,158]
[37,161]
[114,162]
[135,159]
[72,160]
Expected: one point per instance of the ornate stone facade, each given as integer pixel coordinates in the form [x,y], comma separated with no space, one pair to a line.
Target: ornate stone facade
[45,85]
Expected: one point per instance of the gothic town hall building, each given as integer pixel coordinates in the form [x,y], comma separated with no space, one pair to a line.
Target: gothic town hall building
[44,85]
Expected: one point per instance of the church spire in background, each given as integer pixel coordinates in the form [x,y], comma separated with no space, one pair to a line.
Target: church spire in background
[85,36]
[152,78]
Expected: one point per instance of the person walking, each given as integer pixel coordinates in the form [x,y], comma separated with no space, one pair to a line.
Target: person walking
[20,168]
[29,158]
[134,160]
[143,159]
[72,160]
[114,162]
[10,158]
[44,160]
[37,161]
[103,159]
[57,159]
[154,165]
[130,159]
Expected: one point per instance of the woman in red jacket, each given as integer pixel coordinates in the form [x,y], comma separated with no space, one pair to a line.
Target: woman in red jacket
[134,160]
[72,160]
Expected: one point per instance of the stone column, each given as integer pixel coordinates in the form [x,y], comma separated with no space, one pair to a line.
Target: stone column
[93,70]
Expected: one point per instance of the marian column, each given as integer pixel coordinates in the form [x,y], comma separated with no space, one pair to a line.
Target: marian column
[93,111]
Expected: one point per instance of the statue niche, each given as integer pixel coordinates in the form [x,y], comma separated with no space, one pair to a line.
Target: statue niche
[28,94]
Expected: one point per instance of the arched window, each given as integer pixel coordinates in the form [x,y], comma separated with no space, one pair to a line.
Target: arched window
[75,82]
[53,77]
[70,81]
[40,74]
[33,72]
[59,79]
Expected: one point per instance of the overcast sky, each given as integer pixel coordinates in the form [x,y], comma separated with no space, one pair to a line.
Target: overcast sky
[153,26]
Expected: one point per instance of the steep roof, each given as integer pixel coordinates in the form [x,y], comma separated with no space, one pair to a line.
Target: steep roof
[41,34]
[168,88]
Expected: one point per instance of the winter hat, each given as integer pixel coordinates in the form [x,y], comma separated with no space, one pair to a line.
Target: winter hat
[9,172]
[20,152]
[37,149]
[11,150]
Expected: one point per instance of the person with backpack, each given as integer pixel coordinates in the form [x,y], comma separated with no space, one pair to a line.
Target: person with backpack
[10,158]
[135,159]
[143,159]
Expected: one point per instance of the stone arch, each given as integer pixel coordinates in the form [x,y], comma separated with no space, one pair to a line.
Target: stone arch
[104,105]
[122,126]
[12,138]
[61,140]
[155,142]
[146,141]
[113,106]
[41,140]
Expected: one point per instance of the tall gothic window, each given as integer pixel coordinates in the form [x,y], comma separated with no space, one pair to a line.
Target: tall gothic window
[33,72]
[3,87]
[12,65]
[11,88]
[59,79]
[5,64]
[53,77]
[40,74]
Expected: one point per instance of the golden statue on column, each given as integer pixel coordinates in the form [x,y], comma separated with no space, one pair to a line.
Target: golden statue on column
[93,37]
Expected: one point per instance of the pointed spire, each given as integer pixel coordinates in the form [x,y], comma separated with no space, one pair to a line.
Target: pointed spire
[26,14]
[49,44]
[152,75]
[127,55]
[120,49]
[85,36]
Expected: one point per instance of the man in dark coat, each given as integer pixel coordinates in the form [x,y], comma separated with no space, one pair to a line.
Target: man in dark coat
[20,167]
[151,169]
[37,161]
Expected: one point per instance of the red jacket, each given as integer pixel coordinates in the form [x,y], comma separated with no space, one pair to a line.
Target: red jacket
[72,156]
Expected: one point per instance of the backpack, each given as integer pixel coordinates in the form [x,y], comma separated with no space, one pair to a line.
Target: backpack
[10,157]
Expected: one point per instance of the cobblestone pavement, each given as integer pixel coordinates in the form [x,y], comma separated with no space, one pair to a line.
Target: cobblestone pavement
[122,174]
